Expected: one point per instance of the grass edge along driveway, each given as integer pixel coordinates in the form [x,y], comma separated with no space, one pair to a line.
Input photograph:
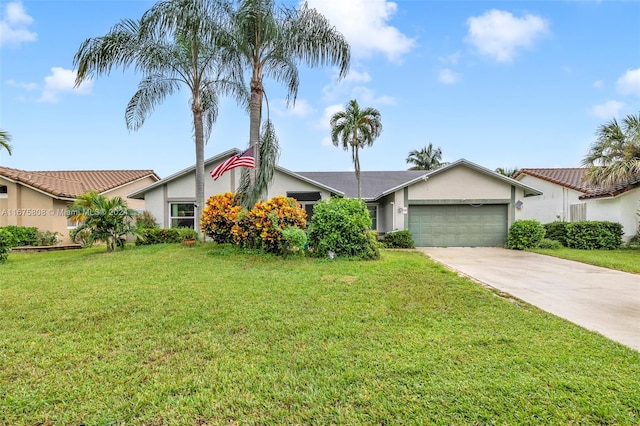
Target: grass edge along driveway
[205,335]
[621,260]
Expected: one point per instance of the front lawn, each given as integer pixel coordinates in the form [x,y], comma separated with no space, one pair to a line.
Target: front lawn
[171,335]
[621,260]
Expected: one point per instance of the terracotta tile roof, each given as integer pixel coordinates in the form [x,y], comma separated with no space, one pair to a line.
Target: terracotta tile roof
[573,178]
[71,183]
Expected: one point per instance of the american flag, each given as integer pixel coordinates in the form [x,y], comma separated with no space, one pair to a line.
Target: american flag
[244,159]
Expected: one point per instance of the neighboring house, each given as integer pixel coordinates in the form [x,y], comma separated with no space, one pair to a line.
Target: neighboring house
[567,198]
[41,198]
[460,204]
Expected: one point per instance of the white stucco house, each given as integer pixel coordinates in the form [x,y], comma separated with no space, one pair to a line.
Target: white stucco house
[567,198]
[460,204]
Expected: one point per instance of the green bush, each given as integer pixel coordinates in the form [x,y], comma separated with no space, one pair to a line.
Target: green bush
[81,236]
[151,236]
[6,240]
[341,227]
[557,231]
[47,238]
[525,234]
[594,235]
[398,239]
[146,220]
[547,243]
[294,241]
[22,235]
[187,234]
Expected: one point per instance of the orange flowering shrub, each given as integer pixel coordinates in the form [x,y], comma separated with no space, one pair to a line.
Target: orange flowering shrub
[220,216]
[263,225]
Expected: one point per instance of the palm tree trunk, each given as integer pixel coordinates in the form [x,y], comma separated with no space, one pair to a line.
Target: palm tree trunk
[199,139]
[356,164]
[255,117]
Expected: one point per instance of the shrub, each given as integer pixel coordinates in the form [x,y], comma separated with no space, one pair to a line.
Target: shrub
[6,240]
[525,234]
[294,241]
[81,236]
[22,235]
[398,239]
[547,243]
[146,220]
[262,227]
[342,226]
[221,213]
[151,236]
[594,235]
[47,238]
[557,231]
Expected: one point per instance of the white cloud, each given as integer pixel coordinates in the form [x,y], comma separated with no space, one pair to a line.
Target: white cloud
[300,109]
[452,59]
[629,83]
[366,97]
[365,24]
[62,81]
[448,76]
[607,110]
[14,26]
[25,86]
[499,34]
[324,122]
[599,84]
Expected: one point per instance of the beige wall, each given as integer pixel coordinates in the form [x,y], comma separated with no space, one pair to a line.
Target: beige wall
[124,190]
[460,183]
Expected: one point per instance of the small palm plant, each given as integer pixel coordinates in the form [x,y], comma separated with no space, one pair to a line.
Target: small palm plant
[109,220]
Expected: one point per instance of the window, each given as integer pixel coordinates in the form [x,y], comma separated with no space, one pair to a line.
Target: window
[3,191]
[577,212]
[373,212]
[306,200]
[182,215]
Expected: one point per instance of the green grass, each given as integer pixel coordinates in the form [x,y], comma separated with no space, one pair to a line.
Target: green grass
[621,260]
[170,335]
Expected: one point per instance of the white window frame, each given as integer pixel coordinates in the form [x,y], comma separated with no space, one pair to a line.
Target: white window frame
[171,217]
[370,208]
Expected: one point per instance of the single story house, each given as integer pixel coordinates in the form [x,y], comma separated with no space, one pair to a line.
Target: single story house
[41,198]
[460,204]
[566,197]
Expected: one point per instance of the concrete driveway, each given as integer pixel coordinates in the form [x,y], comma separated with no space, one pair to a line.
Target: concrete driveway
[595,298]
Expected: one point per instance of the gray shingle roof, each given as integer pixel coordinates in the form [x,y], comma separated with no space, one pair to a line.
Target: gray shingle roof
[373,183]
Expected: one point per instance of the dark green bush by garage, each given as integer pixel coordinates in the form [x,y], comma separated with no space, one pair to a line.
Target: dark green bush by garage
[525,234]
[594,235]
[398,239]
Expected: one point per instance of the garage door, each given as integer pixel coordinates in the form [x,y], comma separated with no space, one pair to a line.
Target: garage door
[458,225]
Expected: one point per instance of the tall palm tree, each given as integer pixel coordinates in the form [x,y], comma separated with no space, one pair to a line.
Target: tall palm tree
[427,158]
[355,128]
[272,41]
[615,155]
[176,43]
[5,138]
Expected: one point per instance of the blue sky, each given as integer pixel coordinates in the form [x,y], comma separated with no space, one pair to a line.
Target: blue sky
[500,83]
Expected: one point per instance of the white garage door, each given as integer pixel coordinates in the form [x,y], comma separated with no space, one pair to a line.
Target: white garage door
[458,225]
